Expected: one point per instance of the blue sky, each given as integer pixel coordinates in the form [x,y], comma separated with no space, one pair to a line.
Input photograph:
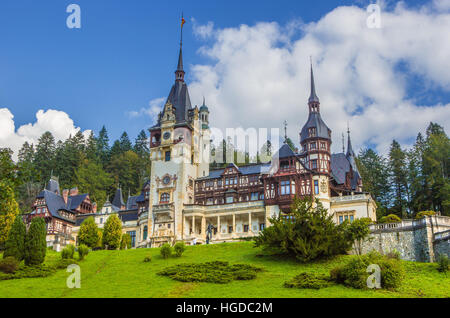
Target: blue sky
[125,54]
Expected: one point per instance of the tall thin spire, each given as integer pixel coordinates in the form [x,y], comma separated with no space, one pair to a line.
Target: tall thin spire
[349,143]
[285,131]
[179,73]
[313,97]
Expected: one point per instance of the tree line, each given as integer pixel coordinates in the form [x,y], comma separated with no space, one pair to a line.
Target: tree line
[90,164]
[407,181]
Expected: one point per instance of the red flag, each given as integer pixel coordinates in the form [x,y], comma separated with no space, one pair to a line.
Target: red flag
[183,21]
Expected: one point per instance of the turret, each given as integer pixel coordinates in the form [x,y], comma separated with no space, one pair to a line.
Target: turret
[204,115]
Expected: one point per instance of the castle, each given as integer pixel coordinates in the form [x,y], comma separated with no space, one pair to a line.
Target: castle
[183,197]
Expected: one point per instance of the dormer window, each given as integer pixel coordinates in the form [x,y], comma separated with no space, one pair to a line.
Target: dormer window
[312,132]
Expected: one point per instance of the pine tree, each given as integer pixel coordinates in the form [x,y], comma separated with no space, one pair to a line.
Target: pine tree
[141,145]
[92,148]
[89,233]
[397,165]
[103,146]
[44,157]
[15,244]
[9,209]
[35,242]
[112,232]
[125,169]
[8,169]
[125,143]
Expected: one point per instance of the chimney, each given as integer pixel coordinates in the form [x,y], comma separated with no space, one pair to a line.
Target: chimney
[65,195]
[73,191]
[94,208]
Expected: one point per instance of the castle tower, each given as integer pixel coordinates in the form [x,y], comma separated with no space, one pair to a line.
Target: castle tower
[179,153]
[315,141]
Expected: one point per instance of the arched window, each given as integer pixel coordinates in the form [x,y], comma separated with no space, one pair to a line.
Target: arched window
[145,232]
[165,197]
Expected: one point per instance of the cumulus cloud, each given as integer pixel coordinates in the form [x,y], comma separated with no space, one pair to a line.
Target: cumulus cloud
[57,122]
[259,75]
[154,108]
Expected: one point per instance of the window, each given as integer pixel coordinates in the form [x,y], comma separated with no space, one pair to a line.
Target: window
[341,219]
[285,187]
[245,228]
[209,201]
[167,156]
[262,226]
[254,196]
[145,233]
[316,186]
[165,198]
[323,145]
[312,132]
[284,165]
[313,164]
[133,238]
[230,199]
[230,229]
[101,220]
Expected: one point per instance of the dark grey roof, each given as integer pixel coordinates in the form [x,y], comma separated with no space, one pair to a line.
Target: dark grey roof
[140,198]
[180,100]
[315,121]
[132,202]
[118,199]
[54,203]
[127,216]
[351,155]
[285,151]
[53,186]
[339,167]
[180,61]
[245,170]
[74,202]
[204,108]
[313,97]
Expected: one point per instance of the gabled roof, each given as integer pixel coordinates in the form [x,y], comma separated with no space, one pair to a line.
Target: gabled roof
[340,166]
[53,186]
[73,202]
[285,151]
[54,203]
[118,199]
[132,202]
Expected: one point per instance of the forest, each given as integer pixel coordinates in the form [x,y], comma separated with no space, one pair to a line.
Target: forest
[402,182]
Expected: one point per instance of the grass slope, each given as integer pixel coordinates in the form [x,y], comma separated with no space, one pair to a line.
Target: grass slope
[124,274]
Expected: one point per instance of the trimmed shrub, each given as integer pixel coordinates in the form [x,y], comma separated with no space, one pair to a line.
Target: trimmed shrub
[15,244]
[212,272]
[166,250]
[83,250]
[309,233]
[308,280]
[442,263]
[125,242]
[63,263]
[9,265]
[68,252]
[30,272]
[394,254]
[112,232]
[354,273]
[423,214]
[179,248]
[148,259]
[358,232]
[391,218]
[35,243]
[89,233]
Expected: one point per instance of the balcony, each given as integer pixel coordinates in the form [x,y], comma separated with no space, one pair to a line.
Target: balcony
[350,198]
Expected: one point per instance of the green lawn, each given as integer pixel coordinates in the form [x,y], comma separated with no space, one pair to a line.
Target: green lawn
[124,274]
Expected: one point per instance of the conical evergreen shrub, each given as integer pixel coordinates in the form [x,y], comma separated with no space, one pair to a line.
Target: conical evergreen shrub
[35,244]
[15,244]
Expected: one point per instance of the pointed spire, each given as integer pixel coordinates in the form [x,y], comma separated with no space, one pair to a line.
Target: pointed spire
[313,97]
[349,143]
[179,73]
[285,131]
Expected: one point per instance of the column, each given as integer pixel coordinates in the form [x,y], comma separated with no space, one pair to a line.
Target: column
[203,227]
[250,223]
[218,226]
[234,225]
[193,225]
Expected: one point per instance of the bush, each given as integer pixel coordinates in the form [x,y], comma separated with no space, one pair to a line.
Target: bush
[179,249]
[309,233]
[391,218]
[83,250]
[35,242]
[308,280]
[166,250]
[9,265]
[442,263]
[63,263]
[112,232]
[394,255]
[358,232]
[354,273]
[148,259]
[212,272]
[423,214]
[15,244]
[68,252]
[30,272]
[125,243]
[89,234]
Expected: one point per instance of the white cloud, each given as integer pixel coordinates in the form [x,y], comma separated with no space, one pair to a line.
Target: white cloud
[202,31]
[154,108]
[57,122]
[259,75]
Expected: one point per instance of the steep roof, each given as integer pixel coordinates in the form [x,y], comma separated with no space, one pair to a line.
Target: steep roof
[285,151]
[132,202]
[180,100]
[118,199]
[73,202]
[245,170]
[53,186]
[54,203]
[315,121]
[340,166]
